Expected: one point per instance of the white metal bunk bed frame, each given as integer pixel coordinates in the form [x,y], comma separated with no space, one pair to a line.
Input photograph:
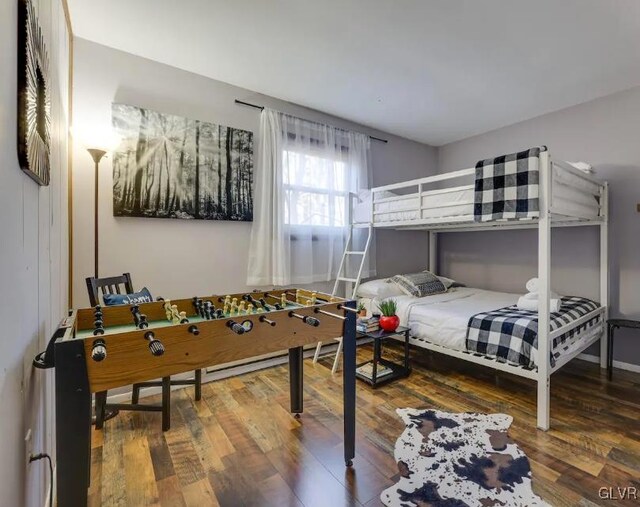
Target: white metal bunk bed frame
[550,216]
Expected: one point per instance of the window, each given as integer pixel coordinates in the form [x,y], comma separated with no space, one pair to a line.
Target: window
[315,190]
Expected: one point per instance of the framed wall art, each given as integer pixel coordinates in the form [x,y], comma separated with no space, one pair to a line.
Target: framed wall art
[168,166]
[34,101]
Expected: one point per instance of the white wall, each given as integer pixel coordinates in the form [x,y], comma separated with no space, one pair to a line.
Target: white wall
[604,132]
[180,258]
[33,265]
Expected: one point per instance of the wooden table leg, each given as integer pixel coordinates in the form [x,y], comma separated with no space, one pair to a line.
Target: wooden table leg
[349,384]
[296,386]
[73,424]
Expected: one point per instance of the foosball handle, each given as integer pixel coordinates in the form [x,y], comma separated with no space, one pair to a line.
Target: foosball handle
[312,321]
[98,350]
[235,327]
[155,345]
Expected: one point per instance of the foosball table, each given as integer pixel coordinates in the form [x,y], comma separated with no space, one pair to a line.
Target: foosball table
[101,348]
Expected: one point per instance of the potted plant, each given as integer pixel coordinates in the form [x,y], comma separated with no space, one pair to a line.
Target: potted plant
[362,311]
[389,321]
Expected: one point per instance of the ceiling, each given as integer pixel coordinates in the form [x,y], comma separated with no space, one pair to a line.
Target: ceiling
[435,71]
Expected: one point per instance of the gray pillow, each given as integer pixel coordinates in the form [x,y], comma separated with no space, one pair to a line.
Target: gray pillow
[419,284]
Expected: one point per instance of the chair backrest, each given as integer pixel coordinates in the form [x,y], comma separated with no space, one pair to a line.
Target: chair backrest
[109,285]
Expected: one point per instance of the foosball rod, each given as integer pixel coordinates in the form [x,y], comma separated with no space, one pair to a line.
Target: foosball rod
[267,295]
[324,312]
[342,307]
[308,298]
[311,321]
[262,318]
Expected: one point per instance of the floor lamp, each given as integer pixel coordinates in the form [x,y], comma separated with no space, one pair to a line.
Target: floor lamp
[96,155]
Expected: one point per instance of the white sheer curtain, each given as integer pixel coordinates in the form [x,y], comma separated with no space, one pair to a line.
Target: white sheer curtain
[304,174]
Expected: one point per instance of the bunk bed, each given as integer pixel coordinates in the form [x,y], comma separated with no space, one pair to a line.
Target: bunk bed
[565,196]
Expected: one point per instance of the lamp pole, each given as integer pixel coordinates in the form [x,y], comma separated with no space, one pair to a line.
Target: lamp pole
[97,155]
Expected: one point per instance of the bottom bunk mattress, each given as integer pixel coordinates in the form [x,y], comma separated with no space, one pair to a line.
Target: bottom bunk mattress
[455,319]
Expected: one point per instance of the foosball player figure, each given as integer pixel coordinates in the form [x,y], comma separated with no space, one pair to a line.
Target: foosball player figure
[175,314]
[98,324]
[139,319]
[209,310]
[167,309]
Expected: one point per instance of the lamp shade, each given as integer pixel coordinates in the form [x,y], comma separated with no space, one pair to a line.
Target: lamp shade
[96,137]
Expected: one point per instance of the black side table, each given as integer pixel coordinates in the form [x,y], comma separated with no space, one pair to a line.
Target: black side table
[397,370]
[612,325]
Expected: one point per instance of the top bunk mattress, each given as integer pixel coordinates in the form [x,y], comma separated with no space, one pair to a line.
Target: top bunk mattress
[458,202]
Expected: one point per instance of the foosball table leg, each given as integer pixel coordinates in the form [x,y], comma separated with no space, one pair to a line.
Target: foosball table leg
[296,379]
[100,400]
[349,384]
[166,403]
[198,381]
[73,424]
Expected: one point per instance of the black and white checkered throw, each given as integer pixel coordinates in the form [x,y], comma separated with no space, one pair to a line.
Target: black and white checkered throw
[510,334]
[507,187]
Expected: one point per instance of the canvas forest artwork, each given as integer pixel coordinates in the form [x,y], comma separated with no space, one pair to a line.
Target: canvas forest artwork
[168,166]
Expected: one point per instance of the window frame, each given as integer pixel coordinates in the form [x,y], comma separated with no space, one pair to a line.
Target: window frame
[324,230]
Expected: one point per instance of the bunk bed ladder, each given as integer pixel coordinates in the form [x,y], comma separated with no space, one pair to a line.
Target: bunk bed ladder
[351,284]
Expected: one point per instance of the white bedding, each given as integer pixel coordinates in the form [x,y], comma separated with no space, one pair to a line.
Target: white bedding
[573,199]
[443,319]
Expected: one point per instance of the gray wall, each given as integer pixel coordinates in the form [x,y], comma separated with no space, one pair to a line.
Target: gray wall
[177,257]
[33,266]
[604,132]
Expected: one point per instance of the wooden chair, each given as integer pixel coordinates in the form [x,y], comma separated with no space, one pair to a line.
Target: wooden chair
[112,285]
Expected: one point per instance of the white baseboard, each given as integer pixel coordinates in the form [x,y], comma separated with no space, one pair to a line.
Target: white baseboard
[617,364]
[221,373]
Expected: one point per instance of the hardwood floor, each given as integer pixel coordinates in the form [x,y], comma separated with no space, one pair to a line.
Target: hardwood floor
[240,446]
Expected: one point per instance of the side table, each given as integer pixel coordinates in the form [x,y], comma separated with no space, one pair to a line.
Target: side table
[612,325]
[397,370]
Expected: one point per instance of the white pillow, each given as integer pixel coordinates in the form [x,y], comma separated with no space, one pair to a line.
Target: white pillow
[447,282]
[379,289]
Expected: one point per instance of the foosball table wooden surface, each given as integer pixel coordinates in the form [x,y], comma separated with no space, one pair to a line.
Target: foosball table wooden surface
[103,348]
[129,360]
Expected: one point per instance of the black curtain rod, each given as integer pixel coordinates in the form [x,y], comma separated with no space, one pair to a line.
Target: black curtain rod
[262,107]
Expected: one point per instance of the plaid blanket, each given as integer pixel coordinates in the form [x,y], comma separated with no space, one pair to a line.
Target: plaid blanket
[510,334]
[507,187]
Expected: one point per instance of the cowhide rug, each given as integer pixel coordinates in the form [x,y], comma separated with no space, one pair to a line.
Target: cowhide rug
[459,460]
